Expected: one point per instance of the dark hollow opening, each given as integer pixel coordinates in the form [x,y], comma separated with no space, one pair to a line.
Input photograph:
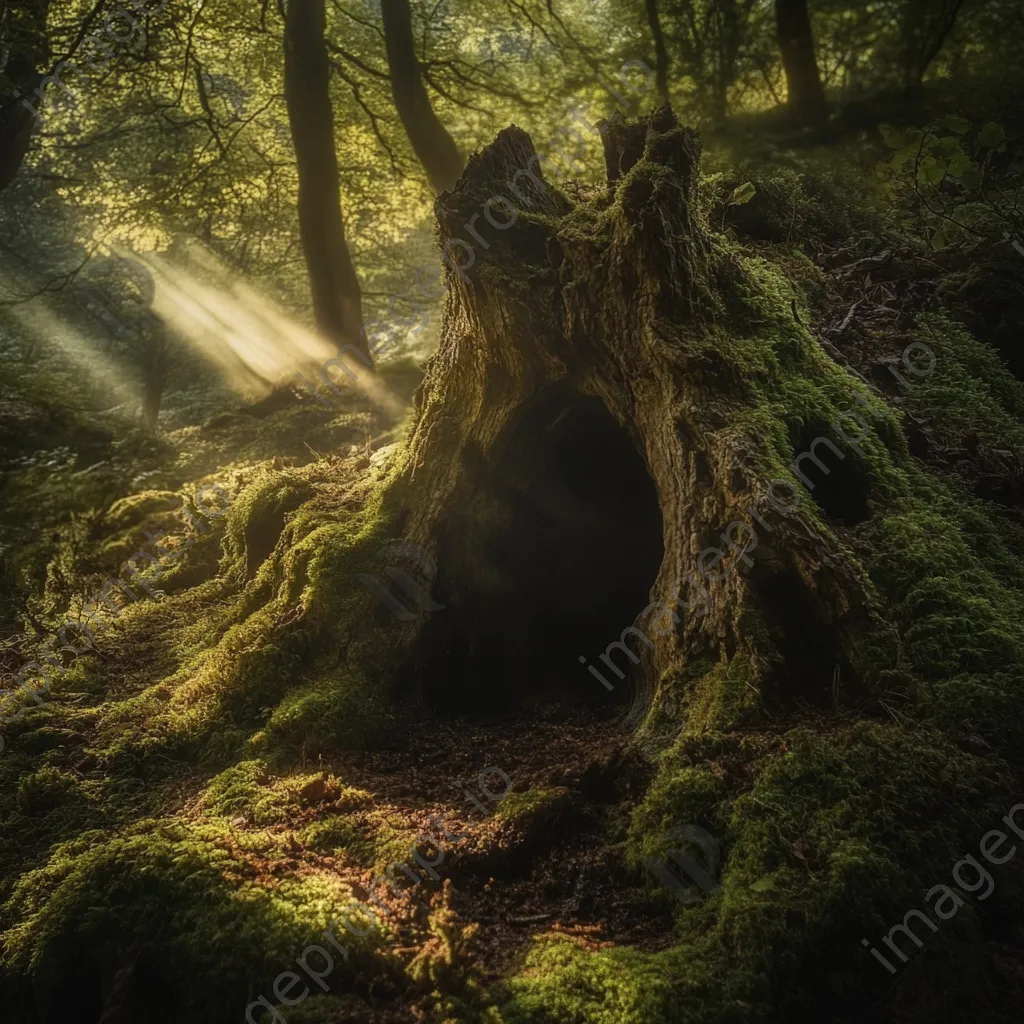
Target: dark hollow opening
[814,667]
[834,473]
[568,558]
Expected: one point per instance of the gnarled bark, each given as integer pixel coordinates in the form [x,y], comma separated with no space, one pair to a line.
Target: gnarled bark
[609,310]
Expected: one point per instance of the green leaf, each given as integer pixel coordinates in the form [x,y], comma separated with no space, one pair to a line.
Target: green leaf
[940,239]
[953,230]
[895,138]
[972,178]
[959,164]
[957,125]
[931,171]
[991,135]
[901,156]
[742,194]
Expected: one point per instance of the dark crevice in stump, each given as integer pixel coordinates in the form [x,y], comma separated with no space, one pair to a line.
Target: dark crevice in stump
[568,562]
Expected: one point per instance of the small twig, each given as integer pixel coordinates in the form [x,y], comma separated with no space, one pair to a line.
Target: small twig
[529,919]
[849,317]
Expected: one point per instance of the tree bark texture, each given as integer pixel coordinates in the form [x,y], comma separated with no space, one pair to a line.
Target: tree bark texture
[336,295]
[429,138]
[623,297]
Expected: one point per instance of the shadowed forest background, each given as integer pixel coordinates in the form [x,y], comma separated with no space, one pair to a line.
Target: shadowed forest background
[368,368]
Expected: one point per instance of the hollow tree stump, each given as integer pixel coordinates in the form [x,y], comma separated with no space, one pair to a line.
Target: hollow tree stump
[625,298]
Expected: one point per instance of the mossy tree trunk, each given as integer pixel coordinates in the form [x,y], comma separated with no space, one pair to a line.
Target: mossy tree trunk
[622,296]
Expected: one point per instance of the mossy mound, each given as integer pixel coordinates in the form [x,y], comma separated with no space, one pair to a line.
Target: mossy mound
[159,899]
[818,852]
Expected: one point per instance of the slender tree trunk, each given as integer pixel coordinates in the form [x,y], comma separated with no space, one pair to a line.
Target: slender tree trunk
[430,140]
[661,61]
[16,124]
[796,42]
[926,27]
[154,373]
[337,299]
[27,47]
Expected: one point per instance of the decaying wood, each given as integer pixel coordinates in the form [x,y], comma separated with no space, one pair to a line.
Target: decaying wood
[619,297]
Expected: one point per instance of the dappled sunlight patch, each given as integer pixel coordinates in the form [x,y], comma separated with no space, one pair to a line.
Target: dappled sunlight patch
[567,984]
[339,710]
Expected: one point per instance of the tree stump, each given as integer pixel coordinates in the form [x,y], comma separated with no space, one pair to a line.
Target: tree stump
[636,470]
[597,443]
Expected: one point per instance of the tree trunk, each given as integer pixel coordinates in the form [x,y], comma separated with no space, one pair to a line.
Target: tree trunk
[926,26]
[796,43]
[25,41]
[336,296]
[155,359]
[661,62]
[16,123]
[587,339]
[431,142]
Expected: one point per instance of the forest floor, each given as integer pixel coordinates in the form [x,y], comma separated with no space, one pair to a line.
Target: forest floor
[548,870]
[482,868]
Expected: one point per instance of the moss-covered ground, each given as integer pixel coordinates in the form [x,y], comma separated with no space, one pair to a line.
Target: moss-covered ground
[197,795]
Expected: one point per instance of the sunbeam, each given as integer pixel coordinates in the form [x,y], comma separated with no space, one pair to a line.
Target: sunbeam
[254,344]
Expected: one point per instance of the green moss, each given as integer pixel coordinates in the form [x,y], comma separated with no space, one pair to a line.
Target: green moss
[191,891]
[133,509]
[966,387]
[561,982]
[339,710]
[816,197]
[265,676]
[721,697]
[249,789]
[960,612]
[682,793]
[535,806]
[337,833]
[256,519]
[45,789]
[833,838]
